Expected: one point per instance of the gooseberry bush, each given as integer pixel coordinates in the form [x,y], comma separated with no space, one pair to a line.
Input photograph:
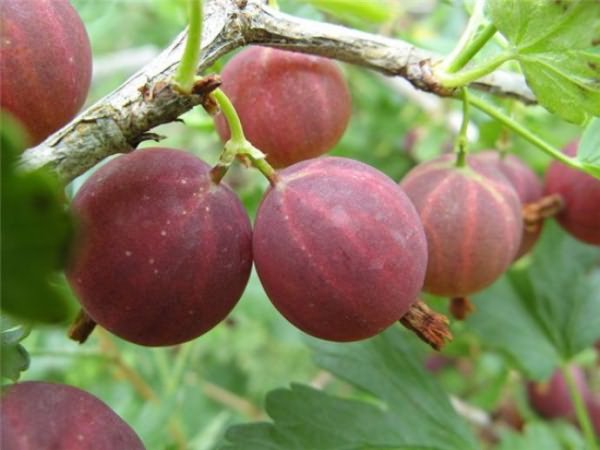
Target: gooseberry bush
[318,254]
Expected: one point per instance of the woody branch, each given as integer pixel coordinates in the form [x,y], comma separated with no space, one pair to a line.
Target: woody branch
[118,122]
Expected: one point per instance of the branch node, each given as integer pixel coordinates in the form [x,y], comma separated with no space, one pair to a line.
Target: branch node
[428,81]
[205,85]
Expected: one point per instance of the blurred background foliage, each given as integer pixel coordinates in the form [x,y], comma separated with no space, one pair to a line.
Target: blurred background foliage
[187,396]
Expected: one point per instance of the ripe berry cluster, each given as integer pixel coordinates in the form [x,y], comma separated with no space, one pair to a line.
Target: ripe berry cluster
[341,250]
[165,249]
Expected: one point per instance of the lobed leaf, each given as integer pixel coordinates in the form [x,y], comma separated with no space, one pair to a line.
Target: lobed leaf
[406,408]
[557,44]
[588,151]
[14,359]
[566,290]
[543,436]
[546,312]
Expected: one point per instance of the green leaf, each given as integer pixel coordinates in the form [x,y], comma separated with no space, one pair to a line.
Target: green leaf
[14,359]
[566,290]
[592,169]
[375,11]
[544,313]
[588,150]
[557,45]
[404,407]
[36,230]
[539,435]
[504,323]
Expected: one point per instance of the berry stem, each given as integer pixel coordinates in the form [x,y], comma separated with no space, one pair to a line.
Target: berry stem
[175,377]
[460,146]
[186,72]
[237,145]
[82,327]
[464,77]
[145,390]
[581,411]
[461,308]
[534,213]
[482,105]
[233,120]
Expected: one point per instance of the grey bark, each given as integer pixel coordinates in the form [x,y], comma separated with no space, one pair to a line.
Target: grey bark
[120,121]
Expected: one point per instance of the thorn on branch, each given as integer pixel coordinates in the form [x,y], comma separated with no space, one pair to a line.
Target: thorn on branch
[147,137]
[430,326]
[150,91]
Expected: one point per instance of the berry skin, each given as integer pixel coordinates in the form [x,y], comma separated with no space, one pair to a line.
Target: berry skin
[552,399]
[45,64]
[526,183]
[293,106]
[472,219]
[43,416]
[339,248]
[580,216]
[164,253]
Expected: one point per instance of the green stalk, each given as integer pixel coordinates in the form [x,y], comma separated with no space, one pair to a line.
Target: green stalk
[471,49]
[238,144]
[525,133]
[464,77]
[176,374]
[460,146]
[186,72]
[467,35]
[265,168]
[162,364]
[583,417]
[233,120]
